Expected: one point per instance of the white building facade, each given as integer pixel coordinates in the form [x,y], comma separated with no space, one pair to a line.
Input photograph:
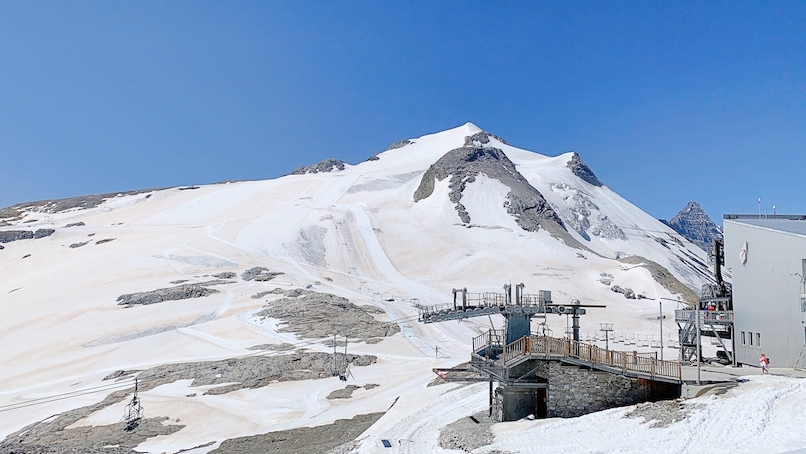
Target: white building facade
[767,259]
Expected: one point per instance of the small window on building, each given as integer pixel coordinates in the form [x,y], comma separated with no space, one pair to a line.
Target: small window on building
[751,338]
[758,339]
[803,303]
[744,341]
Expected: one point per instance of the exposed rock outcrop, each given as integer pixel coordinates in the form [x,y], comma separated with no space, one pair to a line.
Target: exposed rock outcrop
[43,233]
[580,169]
[627,292]
[695,226]
[8,236]
[250,372]
[462,165]
[399,144]
[663,277]
[52,435]
[60,205]
[305,440]
[315,315]
[165,294]
[325,166]
[257,273]
[584,216]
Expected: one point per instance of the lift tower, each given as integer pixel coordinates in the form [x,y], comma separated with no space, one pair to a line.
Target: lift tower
[521,390]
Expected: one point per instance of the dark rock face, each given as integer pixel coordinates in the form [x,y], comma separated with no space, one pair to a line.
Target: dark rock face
[498,138]
[14,235]
[580,169]
[165,294]
[75,224]
[43,233]
[524,202]
[695,226]
[257,273]
[482,138]
[477,140]
[328,165]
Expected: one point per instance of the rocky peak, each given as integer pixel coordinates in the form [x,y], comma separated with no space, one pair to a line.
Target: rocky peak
[462,165]
[328,165]
[695,226]
[580,169]
[481,139]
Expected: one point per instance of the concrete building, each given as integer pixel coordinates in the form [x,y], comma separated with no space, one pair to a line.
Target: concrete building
[767,259]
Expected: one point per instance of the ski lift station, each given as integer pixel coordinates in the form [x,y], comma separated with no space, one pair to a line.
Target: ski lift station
[767,258]
[552,377]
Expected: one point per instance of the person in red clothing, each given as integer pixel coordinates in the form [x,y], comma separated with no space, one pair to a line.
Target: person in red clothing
[764,362]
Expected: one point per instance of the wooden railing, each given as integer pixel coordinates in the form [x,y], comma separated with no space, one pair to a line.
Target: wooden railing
[645,363]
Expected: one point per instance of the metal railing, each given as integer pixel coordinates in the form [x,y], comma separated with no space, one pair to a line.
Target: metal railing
[490,338]
[474,302]
[643,363]
[705,316]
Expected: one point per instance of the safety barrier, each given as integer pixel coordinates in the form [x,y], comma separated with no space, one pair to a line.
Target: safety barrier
[558,348]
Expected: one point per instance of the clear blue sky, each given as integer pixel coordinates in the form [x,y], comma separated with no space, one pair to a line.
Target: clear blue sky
[666,101]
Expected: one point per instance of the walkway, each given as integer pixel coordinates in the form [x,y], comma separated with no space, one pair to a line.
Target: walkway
[630,364]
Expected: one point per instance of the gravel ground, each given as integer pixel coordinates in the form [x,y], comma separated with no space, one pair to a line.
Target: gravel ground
[663,413]
[305,440]
[466,434]
[315,315]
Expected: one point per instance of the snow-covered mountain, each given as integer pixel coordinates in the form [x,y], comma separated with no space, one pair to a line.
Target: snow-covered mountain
[163,283]
[696,226]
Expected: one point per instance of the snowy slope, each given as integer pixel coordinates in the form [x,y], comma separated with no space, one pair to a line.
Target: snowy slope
[357,233]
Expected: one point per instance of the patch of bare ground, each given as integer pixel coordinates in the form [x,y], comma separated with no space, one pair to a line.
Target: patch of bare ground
[305,440]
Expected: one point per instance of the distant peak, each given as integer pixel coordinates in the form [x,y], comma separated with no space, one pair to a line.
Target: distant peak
[693,207]
[695,225]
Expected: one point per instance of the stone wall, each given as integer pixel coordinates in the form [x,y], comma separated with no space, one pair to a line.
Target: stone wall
[575,391]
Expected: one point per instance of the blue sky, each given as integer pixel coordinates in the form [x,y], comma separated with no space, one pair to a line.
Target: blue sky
[666,101]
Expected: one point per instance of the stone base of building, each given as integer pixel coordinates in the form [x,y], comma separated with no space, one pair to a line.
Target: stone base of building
[554,389]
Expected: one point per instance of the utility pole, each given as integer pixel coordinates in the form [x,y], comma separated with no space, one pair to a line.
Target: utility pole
[661,329]
[335,372]
[699,351]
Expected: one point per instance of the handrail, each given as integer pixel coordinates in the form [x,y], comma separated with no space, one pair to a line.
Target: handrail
[644,363]
[706,316]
